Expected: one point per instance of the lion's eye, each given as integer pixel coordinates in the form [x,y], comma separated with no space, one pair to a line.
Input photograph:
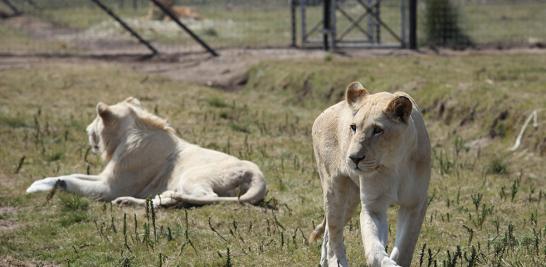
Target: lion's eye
[353,127]
[377,130]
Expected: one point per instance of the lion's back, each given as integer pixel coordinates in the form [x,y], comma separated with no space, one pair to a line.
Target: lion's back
[325,133]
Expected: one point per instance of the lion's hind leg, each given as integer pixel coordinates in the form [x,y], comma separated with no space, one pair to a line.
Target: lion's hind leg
[234,181]
[340,200]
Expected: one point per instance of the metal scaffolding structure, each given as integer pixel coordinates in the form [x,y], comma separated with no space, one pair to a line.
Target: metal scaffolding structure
[370,35]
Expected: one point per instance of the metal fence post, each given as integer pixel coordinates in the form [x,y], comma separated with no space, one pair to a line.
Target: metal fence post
[293,18]
[371,21]
[303,21]
[413,24]
[404,23]
[327,24]
[333,29]
[376,23]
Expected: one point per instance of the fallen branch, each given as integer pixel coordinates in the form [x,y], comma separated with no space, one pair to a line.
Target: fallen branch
[533,116]
[20,165]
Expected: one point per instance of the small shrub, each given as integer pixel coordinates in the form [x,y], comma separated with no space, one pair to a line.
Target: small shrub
[239,128]
[72,202]
[442,26]
[73,209]
[217,102]
[211,32]
[72,218]
[56,156]
[497,166]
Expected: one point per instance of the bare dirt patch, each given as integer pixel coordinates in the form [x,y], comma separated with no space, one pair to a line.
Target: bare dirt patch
[228,71]
[8,225]
[13,262]
[189,63]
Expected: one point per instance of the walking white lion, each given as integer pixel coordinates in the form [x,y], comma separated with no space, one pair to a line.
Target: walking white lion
[144,158]
[372,149]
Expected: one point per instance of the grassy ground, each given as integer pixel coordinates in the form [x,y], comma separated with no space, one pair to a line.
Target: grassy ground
[505,22]
[15,40]
[486,205]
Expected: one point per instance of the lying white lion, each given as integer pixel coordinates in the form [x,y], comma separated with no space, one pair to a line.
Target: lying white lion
[372,149]
[144,158]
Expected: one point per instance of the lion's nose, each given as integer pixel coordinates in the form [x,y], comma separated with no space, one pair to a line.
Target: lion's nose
[357,159]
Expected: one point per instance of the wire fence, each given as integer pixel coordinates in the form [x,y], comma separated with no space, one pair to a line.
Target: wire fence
[80,27]
[482,23]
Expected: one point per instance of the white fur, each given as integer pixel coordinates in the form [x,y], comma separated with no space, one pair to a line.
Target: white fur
[144,158]
[394,168]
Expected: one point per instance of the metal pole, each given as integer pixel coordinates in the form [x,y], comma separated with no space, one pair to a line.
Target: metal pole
[377,26]
[186,29]
[333,29]
[413,24]
[303,21]
[371,22]
[293,18]
[326,27]
[404,23]
[126,27]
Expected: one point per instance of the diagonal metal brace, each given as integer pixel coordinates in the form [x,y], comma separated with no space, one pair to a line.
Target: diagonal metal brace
[314,29]
[126,27]
[354,23]
[376,17]
[16,12]
[169,13]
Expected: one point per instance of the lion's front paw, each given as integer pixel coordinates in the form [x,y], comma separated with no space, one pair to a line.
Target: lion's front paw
[45,184]
[388,262]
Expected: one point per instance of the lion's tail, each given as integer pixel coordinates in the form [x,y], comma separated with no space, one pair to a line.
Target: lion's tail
[255,193]
[319,230]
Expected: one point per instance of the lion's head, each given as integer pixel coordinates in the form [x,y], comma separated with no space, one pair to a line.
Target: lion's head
[113,122]
[378,129]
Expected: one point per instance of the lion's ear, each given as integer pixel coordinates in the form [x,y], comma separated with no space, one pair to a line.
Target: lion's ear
[354,93]
[104,111]
[399,109]
[133,100]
